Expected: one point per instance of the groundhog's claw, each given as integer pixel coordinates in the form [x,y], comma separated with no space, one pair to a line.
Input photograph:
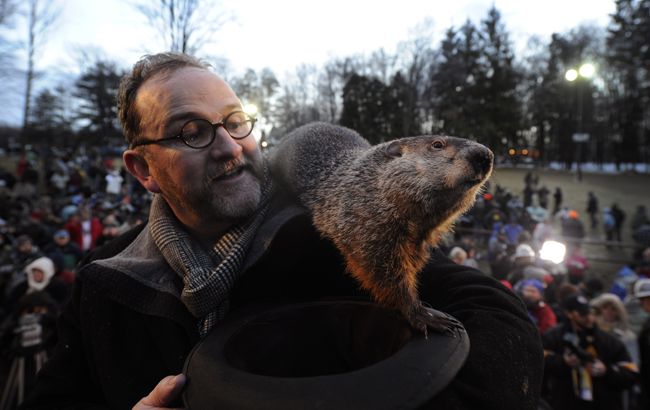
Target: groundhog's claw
[425,318]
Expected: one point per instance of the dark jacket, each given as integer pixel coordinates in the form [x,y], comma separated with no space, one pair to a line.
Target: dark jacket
[644,354]
[125,328]
[607,390]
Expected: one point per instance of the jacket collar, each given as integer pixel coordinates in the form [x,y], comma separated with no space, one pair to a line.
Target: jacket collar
[142,261]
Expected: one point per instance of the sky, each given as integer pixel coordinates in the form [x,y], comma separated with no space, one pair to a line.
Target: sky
[282,34]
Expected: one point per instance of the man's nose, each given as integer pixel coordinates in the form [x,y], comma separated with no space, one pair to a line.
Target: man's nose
[225,146]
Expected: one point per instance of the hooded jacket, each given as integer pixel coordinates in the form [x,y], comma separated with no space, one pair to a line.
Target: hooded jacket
[46,266]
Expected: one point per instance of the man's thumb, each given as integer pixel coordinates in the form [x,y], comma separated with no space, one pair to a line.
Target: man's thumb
[166,392]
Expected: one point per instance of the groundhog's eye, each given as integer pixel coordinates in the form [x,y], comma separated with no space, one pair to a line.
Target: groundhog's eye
[438,144]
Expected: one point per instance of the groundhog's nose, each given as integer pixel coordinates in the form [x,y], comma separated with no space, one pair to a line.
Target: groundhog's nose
[481,159]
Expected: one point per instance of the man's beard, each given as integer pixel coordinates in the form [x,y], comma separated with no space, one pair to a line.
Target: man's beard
[208,199]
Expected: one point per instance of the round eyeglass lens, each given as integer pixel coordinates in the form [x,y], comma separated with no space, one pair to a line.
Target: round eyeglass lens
[197,133]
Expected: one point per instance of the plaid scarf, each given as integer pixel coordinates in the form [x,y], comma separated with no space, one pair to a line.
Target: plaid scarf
[208,274]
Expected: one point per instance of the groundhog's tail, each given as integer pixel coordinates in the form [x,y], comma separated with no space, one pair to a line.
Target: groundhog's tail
[307,156]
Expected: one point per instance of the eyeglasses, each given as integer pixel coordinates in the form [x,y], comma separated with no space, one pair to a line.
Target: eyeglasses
[200,133]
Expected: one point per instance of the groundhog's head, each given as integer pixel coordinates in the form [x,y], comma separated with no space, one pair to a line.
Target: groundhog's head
[435,176]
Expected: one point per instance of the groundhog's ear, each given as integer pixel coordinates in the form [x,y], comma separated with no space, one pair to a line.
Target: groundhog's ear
[394,149]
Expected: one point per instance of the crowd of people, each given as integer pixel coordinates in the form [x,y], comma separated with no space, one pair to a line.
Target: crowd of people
[53,214]
[595,333]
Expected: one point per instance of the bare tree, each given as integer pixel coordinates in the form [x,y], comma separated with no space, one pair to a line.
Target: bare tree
[41,16]
[8,9]
[185,25]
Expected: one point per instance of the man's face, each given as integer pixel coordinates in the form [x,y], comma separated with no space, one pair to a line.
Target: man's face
[582,321]
[37,275]
[531,294]
[221,181]
[25,247]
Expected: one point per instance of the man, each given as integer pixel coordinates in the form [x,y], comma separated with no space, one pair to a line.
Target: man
[586,367]
[219,238]
[592,209]
[642,293]
[531,292]
[84,229]
[65,254]
[525,266]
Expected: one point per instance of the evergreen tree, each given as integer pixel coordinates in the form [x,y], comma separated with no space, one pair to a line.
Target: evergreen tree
[367,108]
[454,91]
[500,105]
[96,90]
[623,46]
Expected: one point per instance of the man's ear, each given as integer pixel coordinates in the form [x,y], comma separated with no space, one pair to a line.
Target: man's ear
[139,168]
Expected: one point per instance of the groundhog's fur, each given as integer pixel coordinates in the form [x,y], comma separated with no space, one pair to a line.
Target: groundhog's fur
[383,206]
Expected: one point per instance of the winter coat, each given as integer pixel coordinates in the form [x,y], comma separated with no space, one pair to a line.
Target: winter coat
[607,389]
[126,328]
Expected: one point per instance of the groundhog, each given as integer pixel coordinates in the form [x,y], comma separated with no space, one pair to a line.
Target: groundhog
[383,206]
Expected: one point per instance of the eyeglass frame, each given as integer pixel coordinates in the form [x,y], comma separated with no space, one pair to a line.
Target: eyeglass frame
[214,125]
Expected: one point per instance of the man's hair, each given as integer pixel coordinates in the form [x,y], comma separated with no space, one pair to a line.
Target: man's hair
[145,68]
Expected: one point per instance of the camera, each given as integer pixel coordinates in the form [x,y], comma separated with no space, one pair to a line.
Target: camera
[29,330]
[572,342]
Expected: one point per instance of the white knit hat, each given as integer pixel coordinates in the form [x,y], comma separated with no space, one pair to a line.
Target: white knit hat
[642,288]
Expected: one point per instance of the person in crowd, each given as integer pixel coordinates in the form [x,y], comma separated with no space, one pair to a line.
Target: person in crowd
[528,196]
[114,183]
[542,196]
[500,264]
[531,292]
[586,367]
[619,221]
[58,182]
[592,209]
[220,238]
[572,226]
[556,298]
[609,224]
[543,232]
[639,218]
[66,255]
[642,293]
[458,255]
[612,317]
[40,278]
[525,266]
[512,230]
[84,229]
[23,254]
[577,264]
[557,200]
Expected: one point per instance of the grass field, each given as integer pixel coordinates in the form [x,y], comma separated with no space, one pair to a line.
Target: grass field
[626,190]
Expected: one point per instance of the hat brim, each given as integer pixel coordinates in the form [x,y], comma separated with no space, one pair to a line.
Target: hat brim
[326,355]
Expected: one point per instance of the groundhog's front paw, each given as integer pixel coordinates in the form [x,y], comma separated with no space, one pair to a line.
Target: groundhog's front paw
[424,318]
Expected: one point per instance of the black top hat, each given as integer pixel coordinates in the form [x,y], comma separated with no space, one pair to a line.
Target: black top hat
[326,355]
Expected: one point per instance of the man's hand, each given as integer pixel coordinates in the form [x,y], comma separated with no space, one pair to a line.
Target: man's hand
[597,368]
[163,395]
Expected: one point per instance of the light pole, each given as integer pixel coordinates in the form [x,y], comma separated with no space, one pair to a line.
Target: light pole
[587,71]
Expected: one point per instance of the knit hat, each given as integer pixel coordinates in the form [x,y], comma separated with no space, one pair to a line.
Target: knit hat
[519,287]
[62,233]
[642,288]
[524,251]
